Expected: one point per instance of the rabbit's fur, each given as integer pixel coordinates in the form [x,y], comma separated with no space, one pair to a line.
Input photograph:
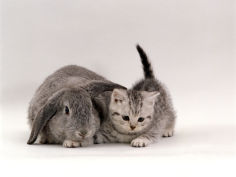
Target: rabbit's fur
[62,110]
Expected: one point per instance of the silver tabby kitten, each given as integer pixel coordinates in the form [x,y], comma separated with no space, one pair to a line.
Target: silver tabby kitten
[139,116]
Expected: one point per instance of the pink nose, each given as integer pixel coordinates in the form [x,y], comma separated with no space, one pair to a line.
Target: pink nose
[132,127]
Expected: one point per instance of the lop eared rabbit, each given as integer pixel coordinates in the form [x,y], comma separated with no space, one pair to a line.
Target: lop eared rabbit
[62,111]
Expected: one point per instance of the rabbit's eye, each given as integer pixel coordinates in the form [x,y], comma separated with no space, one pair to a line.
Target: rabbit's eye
[67,110]
[126,118]
[140,119]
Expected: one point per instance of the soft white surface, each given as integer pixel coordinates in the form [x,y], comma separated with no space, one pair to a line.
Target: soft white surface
[192,47]
[198,148]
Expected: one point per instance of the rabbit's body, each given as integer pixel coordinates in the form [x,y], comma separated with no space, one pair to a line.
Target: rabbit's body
[62,107]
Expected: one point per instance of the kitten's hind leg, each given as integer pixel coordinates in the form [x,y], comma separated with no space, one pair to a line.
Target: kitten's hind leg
[168,133]
[169,130]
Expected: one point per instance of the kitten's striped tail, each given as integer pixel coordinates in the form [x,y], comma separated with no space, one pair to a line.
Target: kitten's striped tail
[147,68]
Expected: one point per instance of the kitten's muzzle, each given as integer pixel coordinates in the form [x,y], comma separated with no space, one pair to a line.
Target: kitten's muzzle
[132,127]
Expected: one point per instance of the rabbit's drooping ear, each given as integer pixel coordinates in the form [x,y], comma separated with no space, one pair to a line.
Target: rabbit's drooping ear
[44,115]
[98,87]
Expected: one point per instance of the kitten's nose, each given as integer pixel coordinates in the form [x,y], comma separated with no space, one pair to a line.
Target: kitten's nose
[132,127]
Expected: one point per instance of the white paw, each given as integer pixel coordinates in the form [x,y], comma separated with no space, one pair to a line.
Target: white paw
[70,144]
[140,142]
[168,133]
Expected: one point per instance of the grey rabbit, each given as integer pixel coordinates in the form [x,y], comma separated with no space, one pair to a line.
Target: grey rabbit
[62,109]
[139,116]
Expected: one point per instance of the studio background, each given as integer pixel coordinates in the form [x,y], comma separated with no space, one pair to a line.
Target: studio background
[191,44]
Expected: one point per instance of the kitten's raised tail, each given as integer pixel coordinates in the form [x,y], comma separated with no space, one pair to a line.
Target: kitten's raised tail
[147,68]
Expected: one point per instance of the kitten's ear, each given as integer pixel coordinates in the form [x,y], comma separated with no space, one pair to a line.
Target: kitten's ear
[118,95]
[150,97]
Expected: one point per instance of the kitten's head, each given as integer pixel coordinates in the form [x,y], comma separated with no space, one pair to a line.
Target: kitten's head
[131,111]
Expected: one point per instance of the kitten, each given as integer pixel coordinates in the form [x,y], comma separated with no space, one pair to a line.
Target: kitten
[139,116]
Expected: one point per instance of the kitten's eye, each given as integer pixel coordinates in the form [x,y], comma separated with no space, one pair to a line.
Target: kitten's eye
[126,118]
[140,119]
[67,110]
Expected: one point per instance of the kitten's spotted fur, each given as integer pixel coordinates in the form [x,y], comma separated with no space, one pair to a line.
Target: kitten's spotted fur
[139,116]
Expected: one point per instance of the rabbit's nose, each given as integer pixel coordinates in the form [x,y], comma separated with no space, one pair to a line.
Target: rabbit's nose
[83,133]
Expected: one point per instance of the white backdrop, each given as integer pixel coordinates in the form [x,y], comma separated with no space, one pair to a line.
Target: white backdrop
[191,44]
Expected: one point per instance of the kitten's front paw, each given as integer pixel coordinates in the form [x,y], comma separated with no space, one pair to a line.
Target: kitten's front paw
[70,144]
[168,133]
[98,139]
[140,142]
